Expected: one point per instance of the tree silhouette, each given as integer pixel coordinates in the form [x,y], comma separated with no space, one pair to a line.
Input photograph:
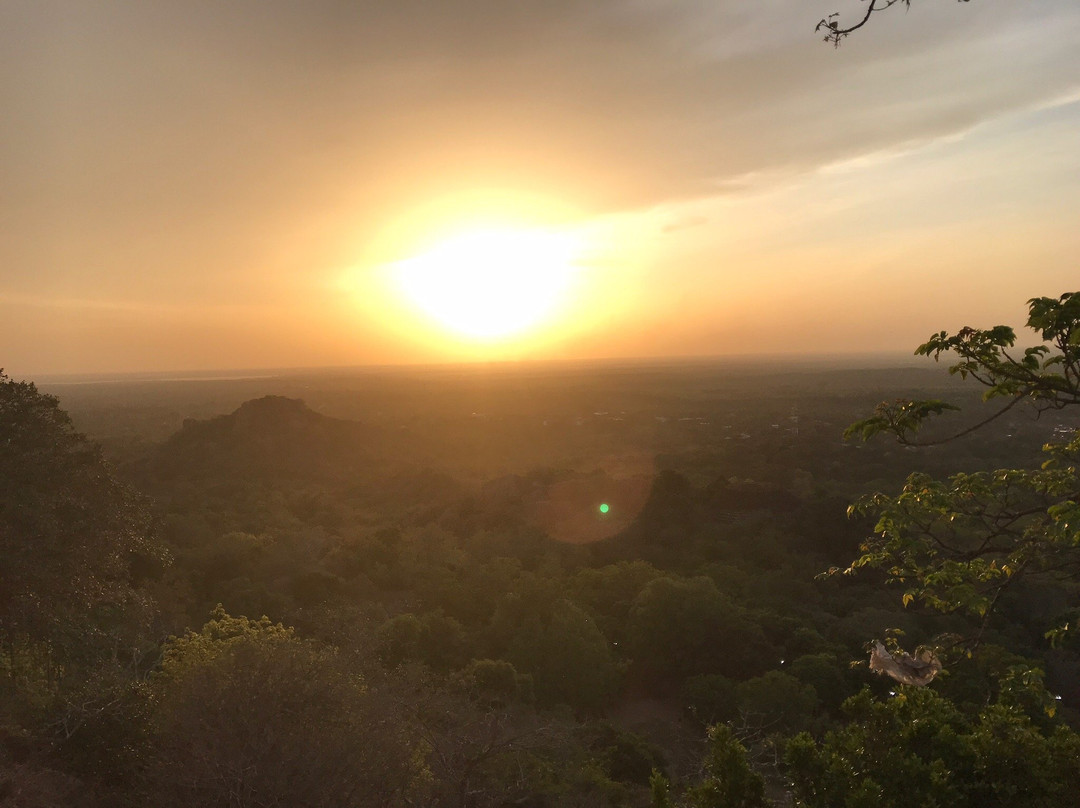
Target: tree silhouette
[834,31]
[71,535]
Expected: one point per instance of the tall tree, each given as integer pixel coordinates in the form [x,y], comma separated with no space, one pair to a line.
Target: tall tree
[70,535]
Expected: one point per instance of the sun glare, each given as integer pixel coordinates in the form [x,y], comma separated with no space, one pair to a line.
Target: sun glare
[489,284]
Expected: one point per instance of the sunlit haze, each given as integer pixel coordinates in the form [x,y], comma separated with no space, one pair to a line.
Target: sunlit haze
[255,185]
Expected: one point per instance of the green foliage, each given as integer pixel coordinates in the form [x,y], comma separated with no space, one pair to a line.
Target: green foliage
[217,636]
[569,658]
[624,756]
[728,780]
[903,418]
[957,544]
[395,710]
[777,702]
[1047,375]
[917,748]
[687,627]
[659,790]
[610,591]
[246,713]
[494,682]
[825,674]
[76,547]
[71,536]
[710,698]
[432,638]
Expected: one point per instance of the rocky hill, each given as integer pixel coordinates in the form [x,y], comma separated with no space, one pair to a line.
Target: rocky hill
[270,437]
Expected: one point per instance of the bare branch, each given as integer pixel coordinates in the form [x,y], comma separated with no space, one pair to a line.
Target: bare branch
[831,24]
[834,33]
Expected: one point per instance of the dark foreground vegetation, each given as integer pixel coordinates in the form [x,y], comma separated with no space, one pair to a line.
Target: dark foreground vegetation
[405,592]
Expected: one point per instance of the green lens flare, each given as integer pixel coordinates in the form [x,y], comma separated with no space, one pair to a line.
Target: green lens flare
[604,507]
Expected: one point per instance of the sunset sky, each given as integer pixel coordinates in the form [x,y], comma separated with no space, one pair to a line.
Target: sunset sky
[209,185]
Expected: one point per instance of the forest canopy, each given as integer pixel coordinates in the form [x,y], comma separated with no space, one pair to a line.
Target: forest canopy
[351,613]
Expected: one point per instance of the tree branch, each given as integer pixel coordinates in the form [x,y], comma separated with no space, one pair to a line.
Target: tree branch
[962,432]
[834,33]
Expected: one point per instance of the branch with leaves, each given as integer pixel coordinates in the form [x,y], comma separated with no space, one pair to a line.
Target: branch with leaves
[1047,375]
[958,544]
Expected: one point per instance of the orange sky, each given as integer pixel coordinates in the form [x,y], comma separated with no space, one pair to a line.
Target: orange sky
[202,185]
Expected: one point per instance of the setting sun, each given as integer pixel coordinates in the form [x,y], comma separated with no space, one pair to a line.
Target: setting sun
[491,283]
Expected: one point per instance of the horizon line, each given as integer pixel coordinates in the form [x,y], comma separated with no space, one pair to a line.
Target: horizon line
[870,360]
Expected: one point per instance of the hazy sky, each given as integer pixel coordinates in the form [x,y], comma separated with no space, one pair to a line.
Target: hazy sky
[197,185]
